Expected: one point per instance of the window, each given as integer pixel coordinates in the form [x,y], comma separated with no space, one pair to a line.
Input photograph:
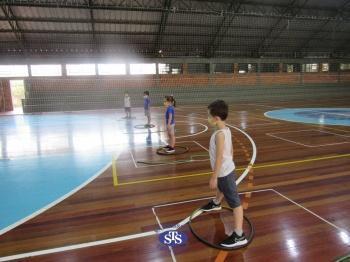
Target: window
[291,68]
[46,70]
[111,69]
[198,68]
[247,68]
[334,67]
[13,70]
[80,69]
[170,69]
[143,69]
[223,68]
[269,68]
[345,67]
[325,67]
[310,68]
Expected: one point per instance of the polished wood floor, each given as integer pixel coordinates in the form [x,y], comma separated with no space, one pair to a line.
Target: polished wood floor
[299,205]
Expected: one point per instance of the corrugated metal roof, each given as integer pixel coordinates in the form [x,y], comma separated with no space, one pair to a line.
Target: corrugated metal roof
[4,25]
[55,26]
[41,12]
[256,26]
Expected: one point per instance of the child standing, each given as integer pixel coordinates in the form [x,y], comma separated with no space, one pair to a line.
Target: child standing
[223,178]
[127,105]
[170,123]
[147,107]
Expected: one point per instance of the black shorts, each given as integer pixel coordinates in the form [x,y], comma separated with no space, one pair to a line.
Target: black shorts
[227,185]
[127,109]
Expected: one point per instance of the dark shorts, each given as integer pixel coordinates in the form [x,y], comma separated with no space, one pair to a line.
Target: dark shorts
[147,113]
[227,185]
[127,109]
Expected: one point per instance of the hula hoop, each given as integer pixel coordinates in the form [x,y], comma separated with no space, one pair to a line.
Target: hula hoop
[217,246]
[183,150]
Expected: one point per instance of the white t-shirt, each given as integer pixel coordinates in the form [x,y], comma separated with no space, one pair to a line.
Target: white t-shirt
[127,101]
[227,162]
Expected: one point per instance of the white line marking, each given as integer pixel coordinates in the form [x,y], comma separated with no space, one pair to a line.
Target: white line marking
[38,212]
[161,227]
[154,232]
[133,159]
[263,105]
[306,130]
[206,149]
[94,243]
[77,246]
[287,140]
[294,131]
[204,198]
[308,210]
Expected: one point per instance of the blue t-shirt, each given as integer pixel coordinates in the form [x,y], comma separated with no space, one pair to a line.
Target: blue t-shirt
[170,111]
[146,103]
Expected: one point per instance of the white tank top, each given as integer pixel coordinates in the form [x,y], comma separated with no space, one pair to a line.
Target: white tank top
[127,101]
[227,162]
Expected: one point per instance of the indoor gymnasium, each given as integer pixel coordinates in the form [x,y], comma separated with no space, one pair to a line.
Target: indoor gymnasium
[175,130]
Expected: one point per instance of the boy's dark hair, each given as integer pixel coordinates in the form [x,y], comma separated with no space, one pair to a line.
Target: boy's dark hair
[146,93]
[219,108]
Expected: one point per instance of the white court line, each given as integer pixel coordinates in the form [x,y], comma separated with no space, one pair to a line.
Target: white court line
[259,191]
[298,143]
[133,159]
[161,227]
[206,149]
[204,198]
[294,131]
[97,243]
[284,139]
[305,130]
[38,212]
[263,105]
[309,211]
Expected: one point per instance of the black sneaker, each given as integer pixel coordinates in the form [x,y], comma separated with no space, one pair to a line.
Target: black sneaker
[234,241]
[211,206]
[169,150]
[165,147]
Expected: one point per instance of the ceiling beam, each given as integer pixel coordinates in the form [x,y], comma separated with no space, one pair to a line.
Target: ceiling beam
[11,19]
[290,10]
[162,25]
[319,29]
[134,5]
[223,27]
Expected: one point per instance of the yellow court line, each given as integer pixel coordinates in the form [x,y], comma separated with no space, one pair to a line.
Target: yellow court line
[238,169]
[114,172]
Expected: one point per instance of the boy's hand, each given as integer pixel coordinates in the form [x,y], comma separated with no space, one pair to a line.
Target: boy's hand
[213,183]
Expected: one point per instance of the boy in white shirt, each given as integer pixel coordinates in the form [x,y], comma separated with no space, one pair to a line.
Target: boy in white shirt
[223,178]
[127,105]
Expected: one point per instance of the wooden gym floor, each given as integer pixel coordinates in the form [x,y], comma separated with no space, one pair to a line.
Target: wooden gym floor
[296,195]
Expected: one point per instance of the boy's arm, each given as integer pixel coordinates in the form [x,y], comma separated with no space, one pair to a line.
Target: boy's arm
[219,141]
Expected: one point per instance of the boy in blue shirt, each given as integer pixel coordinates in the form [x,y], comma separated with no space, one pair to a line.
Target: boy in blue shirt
[147,107]
[170,123]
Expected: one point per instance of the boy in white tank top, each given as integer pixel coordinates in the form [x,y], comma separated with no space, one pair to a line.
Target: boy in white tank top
[223,178]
